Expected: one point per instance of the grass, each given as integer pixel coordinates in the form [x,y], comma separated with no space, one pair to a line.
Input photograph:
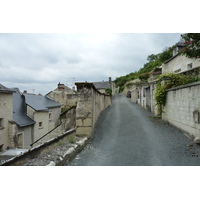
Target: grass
[71,139]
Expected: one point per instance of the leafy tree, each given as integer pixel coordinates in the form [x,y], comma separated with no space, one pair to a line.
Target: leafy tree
[165,55]
[191,45]
[152,57]
[155,60]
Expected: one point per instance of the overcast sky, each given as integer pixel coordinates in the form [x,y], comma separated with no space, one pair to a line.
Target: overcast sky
[37,62]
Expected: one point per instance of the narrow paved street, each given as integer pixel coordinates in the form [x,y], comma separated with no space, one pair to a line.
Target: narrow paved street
[128,135]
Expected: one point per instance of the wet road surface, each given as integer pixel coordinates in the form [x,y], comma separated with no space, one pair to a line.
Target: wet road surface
[128,135]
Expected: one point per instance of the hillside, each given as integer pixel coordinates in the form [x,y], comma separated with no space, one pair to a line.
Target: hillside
[154,60]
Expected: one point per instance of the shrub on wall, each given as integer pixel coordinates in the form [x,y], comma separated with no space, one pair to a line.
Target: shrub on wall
[165,82]
[108,91]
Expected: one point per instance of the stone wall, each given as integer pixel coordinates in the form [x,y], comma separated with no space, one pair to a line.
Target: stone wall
[68,119]
[89,106]
[20,137]
[183,108]
[39,150]
[6,110]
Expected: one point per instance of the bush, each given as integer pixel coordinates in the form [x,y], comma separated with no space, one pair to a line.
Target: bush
[166,82]
[108,91]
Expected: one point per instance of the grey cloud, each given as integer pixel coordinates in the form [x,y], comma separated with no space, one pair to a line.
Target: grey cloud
[46,59]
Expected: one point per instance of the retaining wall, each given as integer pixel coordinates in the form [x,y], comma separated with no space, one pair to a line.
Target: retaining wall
[90,104]
[38,150]
[183,108]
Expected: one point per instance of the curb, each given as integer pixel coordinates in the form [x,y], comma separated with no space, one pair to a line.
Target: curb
[71,152]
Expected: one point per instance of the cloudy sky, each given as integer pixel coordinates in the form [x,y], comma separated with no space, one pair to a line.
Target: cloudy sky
[37,62]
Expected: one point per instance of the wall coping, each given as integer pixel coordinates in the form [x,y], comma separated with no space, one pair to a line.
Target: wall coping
[185,86]
[37,148]
[91,85]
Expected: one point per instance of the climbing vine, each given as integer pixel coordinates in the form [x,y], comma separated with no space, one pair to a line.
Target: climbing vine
[165,82]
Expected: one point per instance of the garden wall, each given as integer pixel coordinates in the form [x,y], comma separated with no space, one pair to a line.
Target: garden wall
[183,108]
[90,104]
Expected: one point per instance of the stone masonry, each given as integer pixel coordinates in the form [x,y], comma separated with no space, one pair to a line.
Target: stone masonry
[183,108]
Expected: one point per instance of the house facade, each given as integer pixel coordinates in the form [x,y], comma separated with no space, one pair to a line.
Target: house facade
[22,125]
[45,112]
[6,111]
[180,64]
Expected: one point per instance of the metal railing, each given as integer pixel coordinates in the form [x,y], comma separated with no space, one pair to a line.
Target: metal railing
[45,135]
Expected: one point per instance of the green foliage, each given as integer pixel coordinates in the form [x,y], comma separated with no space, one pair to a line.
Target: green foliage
[60,143]
[65,109]
[108,91]
[71,139]
[152,57]
[191,45]
[121,81]
[167,81]
[165,55]
[154,61]
[128,85]
[121,88]
[144,76]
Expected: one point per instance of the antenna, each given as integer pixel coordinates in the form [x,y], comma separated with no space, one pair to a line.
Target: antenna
[73,81]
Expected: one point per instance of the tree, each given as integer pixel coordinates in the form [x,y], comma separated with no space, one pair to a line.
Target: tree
[152,57]
[165,55]
[191,45]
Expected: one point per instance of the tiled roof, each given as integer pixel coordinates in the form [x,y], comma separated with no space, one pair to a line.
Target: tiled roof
[102,85]
[40,103]
[19,110]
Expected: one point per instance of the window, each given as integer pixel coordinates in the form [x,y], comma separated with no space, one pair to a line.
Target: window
[1,123]
[40,125]
[1,148]
[20,140]
[50,116]
[189,66]
[178,70]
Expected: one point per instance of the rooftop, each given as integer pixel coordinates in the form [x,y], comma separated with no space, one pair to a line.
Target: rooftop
[102,85]
[19,110]
[4,89]
[40,103]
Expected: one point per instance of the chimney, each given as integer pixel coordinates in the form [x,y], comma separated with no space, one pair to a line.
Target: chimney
[61,87]
[110,79]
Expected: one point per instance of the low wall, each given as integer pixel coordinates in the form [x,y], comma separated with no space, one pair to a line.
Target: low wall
[38,150]
[183,108]
[89,106]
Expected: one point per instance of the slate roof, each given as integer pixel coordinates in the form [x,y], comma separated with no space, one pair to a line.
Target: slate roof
[4,89]
[101,85]
[40,103]
[19,110]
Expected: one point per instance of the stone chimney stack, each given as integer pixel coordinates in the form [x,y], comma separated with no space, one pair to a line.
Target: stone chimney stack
[110,79]
[61,87]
